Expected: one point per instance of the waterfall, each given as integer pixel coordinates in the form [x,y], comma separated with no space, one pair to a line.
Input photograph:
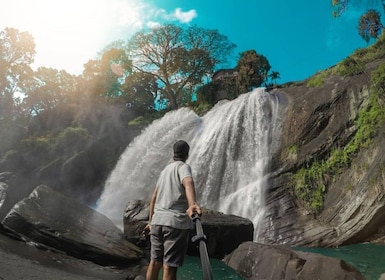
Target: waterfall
[231,148]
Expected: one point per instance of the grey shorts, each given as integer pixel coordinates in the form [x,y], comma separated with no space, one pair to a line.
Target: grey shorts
[168,245]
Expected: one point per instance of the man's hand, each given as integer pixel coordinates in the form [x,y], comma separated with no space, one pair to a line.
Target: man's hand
[194,209]
[147,228]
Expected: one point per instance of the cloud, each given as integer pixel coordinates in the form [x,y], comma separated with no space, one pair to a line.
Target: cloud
[160,16]
[185,17]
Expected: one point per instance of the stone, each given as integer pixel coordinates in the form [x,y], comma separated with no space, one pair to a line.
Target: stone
[272,262]
[51,219]
[3,193]
[224,232]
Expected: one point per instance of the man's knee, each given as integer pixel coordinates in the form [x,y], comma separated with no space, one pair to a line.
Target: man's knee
[155,265]
[169,272]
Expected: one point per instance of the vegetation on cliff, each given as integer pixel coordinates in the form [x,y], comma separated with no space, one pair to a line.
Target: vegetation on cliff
[310,182]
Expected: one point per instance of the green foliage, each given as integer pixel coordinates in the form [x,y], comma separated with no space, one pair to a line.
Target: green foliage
[208,93]
[317,80]
[104,76]
[147,118]
[178,58]
[369,25]
[202,108]
[71,139]
[140,90]
[292,150]
[252,70]
[17,51]
[355,63]
[274,76]
[378,80]
[309,187]
[41,144]
[350,67]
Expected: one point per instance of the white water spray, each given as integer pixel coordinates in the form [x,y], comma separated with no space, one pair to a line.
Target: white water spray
[230,155]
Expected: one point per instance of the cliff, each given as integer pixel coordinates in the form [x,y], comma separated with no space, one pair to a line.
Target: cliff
[341,202]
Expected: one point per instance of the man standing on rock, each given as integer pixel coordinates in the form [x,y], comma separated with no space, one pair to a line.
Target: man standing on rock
[172,205]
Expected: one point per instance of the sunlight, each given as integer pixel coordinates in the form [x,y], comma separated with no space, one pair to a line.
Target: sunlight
[69,33]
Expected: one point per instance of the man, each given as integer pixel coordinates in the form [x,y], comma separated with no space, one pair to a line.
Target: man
[172,205]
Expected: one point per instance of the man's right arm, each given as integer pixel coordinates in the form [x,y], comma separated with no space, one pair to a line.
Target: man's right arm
[188,184]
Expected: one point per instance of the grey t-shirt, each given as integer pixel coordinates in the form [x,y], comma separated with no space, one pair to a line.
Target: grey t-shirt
[171,202]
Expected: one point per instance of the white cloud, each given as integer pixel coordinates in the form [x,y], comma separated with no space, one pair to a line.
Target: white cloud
[185,17]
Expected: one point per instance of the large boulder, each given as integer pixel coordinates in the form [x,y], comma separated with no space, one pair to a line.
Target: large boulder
[224,232]
[52,219]
[259,261]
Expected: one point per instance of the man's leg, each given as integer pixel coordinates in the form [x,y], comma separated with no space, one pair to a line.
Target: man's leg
[153,270]
[169,272]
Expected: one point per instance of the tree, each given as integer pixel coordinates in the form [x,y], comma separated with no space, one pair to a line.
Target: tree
[104,76]
[48,89]
[274,75]
[339,7]
[252,70]
[139,90]
[17,51]
[369,25]
[179,59]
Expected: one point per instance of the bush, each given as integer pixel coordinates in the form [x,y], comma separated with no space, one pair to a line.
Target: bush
[317,80]
[378,80]
[350,67]
[71,139]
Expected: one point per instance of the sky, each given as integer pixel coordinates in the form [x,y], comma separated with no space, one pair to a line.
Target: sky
[298,37]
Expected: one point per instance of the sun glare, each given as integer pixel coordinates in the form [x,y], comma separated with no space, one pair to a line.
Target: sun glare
[69,33]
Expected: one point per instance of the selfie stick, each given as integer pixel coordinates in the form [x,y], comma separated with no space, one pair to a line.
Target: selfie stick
[201,237]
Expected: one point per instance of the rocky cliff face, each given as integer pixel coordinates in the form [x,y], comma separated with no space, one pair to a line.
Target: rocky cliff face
[318,121]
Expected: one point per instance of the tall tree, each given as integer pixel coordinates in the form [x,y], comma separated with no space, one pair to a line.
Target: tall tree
[369,25]
[252,70]
[104,76]
[17,51]
[139,90]
[48,89]
[178,58]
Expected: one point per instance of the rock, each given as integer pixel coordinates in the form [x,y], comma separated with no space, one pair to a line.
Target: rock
[135,218]
[258,261]
[5,176]
[224,232]
[52,219]
[3,193]
[320,120]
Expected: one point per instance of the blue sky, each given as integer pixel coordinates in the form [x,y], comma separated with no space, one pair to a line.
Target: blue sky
[297,38]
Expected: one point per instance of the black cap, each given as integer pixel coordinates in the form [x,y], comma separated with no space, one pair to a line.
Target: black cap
[181,150]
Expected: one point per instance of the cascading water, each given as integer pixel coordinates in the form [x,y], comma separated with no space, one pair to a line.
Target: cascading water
[230,155]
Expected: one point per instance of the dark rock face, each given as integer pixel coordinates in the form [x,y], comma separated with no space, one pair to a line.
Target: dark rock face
[319,120]
[259,261]
[224,232]
[49,218]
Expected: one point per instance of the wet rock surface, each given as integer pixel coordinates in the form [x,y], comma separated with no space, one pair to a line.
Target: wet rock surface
[224,232]
[259,261]
[19,261]
[49,218]
[319,120]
